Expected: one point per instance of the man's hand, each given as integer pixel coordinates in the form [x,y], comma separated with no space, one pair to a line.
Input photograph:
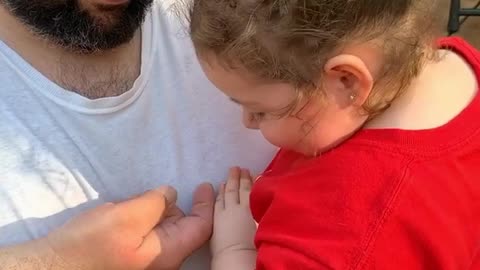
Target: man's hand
[146,232]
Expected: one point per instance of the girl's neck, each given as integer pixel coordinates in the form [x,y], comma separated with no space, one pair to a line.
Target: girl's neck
[443,89]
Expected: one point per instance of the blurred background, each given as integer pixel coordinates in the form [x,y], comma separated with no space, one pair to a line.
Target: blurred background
[470,30]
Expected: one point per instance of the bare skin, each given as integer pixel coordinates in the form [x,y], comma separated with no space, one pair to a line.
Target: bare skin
[146,232]
[109,73]
[232,244]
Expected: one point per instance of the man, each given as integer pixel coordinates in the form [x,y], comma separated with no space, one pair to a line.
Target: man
[102,100]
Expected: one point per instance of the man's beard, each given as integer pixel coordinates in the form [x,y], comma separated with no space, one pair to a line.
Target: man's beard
[67,24]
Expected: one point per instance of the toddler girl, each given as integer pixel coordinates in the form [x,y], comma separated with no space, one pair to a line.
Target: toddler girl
[378,125]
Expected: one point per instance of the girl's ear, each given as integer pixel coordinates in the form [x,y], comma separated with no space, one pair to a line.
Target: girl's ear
[348,80]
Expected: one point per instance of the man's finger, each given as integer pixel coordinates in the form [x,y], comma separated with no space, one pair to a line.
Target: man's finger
[147,210]
[173,214]
[203,201]
[197,227]
[201,214]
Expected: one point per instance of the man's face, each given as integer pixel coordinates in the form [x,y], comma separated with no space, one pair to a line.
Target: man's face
[81,26]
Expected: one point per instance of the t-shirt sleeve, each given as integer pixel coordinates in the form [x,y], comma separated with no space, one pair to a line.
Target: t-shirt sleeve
[307,227]
[323,218]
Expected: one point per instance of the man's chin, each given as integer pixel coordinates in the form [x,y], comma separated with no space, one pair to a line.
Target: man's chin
[82,27]
[109,2]
[106,21]
[89,47]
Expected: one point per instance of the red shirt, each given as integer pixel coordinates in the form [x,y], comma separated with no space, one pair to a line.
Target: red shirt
[384,199]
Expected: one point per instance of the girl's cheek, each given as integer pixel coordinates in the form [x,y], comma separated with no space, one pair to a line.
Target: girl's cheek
[280,134]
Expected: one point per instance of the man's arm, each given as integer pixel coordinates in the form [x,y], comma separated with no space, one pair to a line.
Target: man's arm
[33,255]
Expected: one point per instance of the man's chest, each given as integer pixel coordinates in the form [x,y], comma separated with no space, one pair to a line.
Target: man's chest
[55,167]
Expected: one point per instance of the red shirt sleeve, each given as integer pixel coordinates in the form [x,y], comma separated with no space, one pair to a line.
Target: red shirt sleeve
[324,222]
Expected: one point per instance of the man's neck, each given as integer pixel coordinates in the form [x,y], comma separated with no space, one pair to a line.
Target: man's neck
[104,74]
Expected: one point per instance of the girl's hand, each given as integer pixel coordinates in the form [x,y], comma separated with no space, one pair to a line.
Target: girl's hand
[234,228]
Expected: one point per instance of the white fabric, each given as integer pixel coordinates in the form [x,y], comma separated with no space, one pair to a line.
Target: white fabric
[61,153]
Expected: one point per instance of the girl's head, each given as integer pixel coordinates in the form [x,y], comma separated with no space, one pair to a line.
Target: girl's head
[309,73]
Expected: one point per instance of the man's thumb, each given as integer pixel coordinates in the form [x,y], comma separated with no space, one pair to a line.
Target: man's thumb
[144,212]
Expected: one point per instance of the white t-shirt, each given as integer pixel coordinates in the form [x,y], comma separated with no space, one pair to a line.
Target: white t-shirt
[61,153]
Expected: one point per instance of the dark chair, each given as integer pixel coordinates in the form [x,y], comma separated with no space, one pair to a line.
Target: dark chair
[456,11]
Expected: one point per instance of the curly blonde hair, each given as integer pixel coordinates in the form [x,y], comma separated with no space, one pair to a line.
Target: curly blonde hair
[290,40]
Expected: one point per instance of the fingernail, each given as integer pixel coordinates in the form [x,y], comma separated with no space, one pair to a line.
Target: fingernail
[169,192]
